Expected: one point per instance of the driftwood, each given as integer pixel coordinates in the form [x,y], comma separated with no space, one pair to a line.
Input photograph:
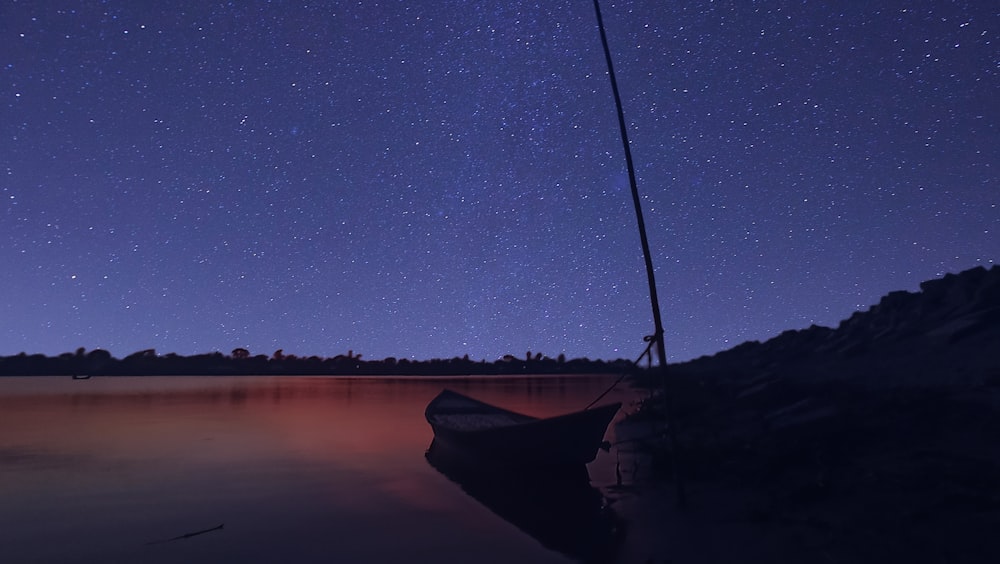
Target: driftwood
[189,535]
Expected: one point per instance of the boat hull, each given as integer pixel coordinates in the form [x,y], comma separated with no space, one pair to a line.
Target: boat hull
[500,436]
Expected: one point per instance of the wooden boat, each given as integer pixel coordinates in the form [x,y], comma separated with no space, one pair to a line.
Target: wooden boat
[501,436]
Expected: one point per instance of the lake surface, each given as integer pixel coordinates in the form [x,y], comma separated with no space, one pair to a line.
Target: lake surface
[298,469]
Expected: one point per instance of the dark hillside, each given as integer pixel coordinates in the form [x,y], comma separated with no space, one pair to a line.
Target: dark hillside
[947,334]
[874,441]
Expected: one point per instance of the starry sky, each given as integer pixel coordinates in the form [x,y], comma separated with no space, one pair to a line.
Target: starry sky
[435,179]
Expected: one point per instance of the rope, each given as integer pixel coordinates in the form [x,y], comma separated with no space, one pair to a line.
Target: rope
[651,339]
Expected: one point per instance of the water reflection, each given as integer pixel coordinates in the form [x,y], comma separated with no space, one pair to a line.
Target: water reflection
[560,509]
[298,469]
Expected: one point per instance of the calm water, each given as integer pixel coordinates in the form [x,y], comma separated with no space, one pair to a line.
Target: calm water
[298,470]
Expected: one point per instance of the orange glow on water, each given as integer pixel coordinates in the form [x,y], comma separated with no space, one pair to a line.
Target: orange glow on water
[138,455]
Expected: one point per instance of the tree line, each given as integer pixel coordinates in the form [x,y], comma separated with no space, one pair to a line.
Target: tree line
[99,362]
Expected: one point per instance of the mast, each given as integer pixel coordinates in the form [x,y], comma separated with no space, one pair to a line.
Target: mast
[636,202]
[650,276]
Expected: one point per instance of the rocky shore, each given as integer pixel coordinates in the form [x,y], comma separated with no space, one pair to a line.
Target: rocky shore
[875,441]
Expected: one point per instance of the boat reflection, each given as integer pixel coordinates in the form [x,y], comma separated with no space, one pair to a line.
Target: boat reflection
[559,509]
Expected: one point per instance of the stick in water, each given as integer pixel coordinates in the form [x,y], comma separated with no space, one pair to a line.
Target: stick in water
[189,535]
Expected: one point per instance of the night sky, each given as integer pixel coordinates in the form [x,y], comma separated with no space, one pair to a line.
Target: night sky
[435,179]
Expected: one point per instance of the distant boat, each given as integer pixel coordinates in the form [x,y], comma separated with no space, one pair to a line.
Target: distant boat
[81,376]
[499,436]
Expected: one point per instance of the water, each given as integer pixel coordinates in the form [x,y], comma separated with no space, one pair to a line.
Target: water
[297,469]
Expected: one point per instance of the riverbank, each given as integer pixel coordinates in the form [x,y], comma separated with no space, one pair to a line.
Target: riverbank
[899,477]
[872,442]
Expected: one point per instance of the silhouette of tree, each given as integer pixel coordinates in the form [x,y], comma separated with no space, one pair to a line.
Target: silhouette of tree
[147,362]
[98,361]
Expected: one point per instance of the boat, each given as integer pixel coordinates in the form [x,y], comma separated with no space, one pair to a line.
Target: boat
[500,436]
